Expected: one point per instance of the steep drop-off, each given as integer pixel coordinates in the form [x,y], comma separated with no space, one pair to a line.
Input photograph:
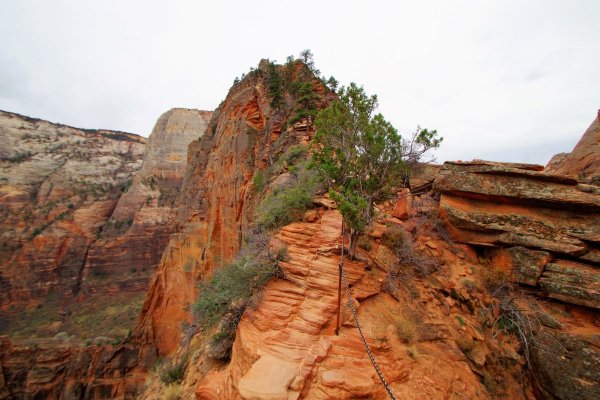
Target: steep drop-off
[244,136]
[130,246]
[54,203]
[85,214]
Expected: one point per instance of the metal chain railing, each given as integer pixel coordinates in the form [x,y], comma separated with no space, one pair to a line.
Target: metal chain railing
[355,316]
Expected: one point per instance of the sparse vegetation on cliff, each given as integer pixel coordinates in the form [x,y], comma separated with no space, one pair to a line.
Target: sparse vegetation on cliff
[224,298]
[287,205]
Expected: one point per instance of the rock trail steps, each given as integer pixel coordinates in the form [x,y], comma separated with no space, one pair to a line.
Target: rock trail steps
[292,330]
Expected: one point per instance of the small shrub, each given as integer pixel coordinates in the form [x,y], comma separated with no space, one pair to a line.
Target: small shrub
[172,392]
[460,320]
[232,288]
[259,181]
[288,205]
[407,326]
[173,372]
[295,153]
[401,243]
[188,266]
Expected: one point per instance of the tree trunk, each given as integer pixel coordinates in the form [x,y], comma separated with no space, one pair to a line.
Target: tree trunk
[354,235]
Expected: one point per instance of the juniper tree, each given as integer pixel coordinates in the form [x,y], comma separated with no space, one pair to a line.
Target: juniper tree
[361,156]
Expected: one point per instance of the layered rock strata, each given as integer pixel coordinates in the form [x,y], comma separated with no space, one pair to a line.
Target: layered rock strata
[131,244]
[518,207]
[55,202]
[60,371]
[544,230]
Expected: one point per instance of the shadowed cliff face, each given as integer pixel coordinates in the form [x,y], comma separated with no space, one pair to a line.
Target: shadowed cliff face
[217,201]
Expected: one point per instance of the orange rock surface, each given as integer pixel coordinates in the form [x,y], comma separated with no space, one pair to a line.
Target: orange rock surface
[583,162]
[217,203]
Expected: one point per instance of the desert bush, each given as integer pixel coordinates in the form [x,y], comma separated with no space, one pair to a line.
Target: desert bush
[282,207]
[224,298]
[172,392]
[407,325]
[364,242]
[401,243]
[259,182]
[173,372]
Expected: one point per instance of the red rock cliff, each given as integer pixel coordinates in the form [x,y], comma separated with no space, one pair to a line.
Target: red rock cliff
[217,202]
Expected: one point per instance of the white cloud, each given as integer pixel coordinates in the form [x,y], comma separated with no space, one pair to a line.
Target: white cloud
[503,80]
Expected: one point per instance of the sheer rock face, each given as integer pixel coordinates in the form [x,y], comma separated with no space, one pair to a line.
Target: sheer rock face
[583,162]
[217,202]
[58,187]
[96,241]
[86,212]
[147,210]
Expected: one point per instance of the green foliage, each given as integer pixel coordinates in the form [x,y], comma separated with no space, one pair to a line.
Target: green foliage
[233,288]
[234,285]
[275,84]
[282,207]
[173,372]
[259,181]
[306,100]
[361,156]
[307,57]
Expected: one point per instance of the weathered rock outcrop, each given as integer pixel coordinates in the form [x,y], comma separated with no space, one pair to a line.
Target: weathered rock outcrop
[217,200]
[583,162]
[427,345]
[544,229]
[519,207]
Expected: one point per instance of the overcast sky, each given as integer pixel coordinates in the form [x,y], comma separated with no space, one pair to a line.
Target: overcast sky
[500,80]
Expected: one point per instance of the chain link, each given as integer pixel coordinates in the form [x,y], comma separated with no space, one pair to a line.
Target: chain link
[355,316]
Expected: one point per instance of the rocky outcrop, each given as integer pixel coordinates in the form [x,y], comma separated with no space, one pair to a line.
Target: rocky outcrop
[507,205]
[217,200]
[286,347]
[543,229]
[583,162]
